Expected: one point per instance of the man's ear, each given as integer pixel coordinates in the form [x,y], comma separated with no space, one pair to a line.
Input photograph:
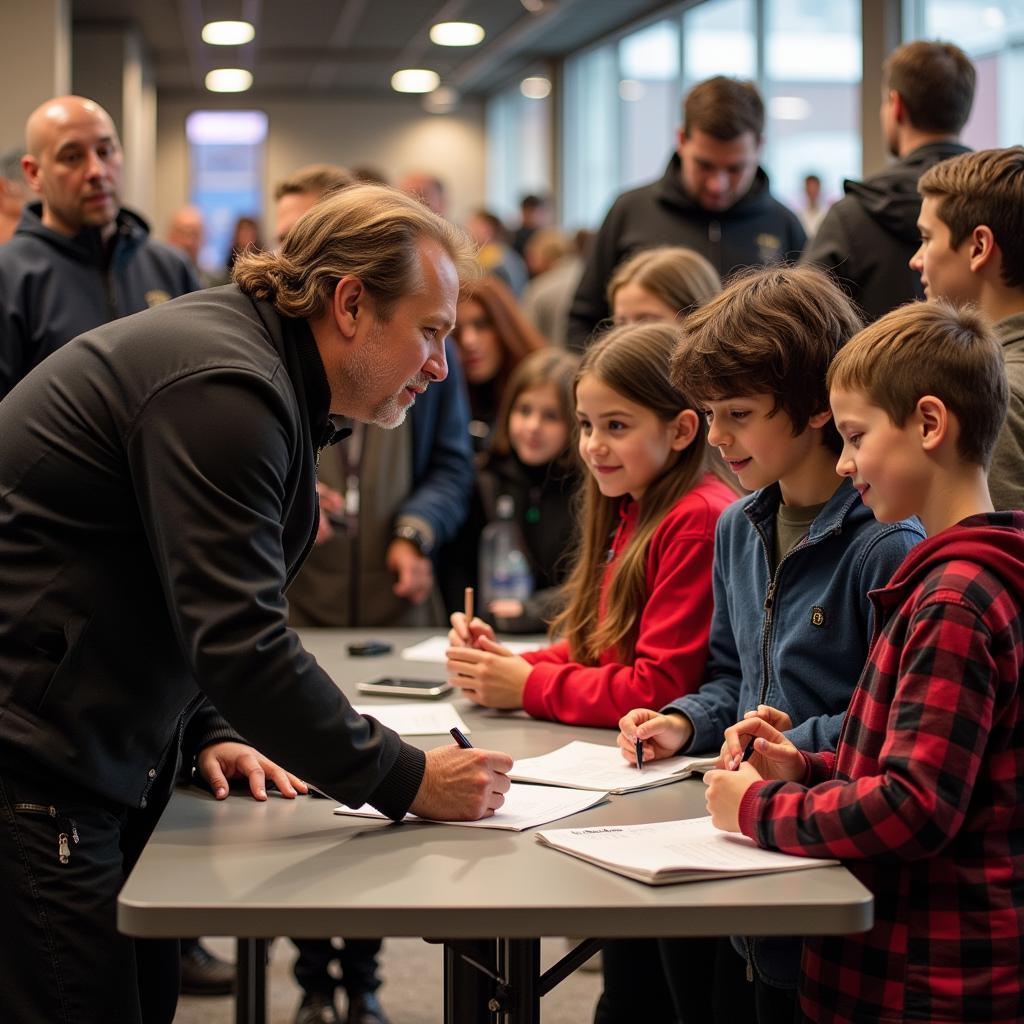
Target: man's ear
[680,140]
[982,248]
[30,166]
[347,304]
[898,107]
[933,421]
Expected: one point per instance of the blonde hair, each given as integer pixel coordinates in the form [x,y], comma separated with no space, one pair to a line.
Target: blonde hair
[315,179]
[931,348]
[679,277]
[634,361]
[371,232]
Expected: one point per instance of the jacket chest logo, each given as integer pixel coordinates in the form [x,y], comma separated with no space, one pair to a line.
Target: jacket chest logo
[818,616]
[155,296]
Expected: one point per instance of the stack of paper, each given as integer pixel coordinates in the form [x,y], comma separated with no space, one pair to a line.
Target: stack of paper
[673,851]
[524,807]
[593,766]
[435,649]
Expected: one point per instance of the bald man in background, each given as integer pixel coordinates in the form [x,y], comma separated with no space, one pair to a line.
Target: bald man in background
[186,231]
[78,258]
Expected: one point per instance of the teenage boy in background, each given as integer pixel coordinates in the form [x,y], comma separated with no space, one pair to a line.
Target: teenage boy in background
[972,250]
[793,565]
[922,797]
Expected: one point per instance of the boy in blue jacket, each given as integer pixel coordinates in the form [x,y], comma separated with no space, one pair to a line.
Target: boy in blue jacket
[793,565]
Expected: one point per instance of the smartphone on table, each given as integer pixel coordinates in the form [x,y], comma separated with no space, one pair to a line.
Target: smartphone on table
[389,686]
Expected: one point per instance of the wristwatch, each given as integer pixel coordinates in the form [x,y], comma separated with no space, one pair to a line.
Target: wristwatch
[414,536]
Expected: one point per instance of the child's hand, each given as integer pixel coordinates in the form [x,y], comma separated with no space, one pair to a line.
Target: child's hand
[488,674]
[661,735]
[724,794]
[466,634]
[774,757]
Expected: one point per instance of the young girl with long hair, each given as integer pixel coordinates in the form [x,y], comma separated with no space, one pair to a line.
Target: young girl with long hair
[639,599]
[532,462]
[663,284]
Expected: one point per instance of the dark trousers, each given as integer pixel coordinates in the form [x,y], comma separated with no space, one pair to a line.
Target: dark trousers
[64,856]
[635,988]
[708,982]
[357,959]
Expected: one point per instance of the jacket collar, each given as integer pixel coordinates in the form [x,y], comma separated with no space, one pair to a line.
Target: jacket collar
[761,507]
[87,246]
[670,192]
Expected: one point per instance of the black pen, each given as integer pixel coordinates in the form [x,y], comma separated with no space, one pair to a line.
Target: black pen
[460,738]
[639,754]
[747,751]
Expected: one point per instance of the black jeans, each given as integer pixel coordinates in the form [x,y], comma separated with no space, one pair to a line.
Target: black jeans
[64,855]
[357,958]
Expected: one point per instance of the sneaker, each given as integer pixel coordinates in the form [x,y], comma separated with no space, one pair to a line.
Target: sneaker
[317,1008]
[203,974]
[365,1008]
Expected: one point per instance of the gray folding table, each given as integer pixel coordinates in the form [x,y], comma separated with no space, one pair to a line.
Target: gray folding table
[252,870]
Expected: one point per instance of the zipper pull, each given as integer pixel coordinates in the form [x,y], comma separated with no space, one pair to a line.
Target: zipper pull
[769,597]
[63,849]
[750,971]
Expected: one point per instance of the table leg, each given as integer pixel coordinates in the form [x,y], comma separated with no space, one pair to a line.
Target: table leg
[251,982]
[520,967]
[469,983]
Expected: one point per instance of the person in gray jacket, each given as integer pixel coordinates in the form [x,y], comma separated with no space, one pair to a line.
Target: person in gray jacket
[868,236]
[78,258]
[972,251]
[157,494]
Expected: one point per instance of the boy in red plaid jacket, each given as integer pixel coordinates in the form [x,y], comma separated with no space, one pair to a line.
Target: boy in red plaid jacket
[924,797]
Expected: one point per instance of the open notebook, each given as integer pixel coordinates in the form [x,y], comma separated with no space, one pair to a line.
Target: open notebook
[673,851]
[580,765]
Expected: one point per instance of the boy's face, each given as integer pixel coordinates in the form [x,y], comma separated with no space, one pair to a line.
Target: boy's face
[945,272]
[758,445]
[885,463]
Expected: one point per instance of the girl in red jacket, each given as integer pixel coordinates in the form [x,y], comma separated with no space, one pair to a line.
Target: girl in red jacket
[638,610]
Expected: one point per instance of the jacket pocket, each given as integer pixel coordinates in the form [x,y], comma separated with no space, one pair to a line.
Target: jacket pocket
[61,647]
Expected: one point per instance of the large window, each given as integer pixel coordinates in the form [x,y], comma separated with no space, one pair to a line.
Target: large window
[719,38]
[811,84]
[991,32]
[226,181]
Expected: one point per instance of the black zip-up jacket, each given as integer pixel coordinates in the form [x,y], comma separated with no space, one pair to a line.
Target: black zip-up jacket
[157,492]
[756,230]
[869,236]
[54,287]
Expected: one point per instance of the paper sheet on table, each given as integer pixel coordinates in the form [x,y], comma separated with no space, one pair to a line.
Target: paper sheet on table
[415,719]
[524,807]
[582,765]
[436,648]
[673,851]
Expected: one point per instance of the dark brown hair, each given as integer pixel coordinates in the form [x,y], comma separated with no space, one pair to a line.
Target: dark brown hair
[634,361]
[936,83]
[315,179]
[987,188]
[773,331]
[724,108]
[931,348]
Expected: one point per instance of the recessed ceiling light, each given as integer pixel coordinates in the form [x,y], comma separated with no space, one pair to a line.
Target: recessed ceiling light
[415,80]
[228,80]
[535,88]
[228,33]
[456,33]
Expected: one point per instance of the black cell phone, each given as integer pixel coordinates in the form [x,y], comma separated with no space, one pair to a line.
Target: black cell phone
[428,689]
[369,649]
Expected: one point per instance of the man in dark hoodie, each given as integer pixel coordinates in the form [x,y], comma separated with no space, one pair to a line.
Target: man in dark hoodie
[78,259]
[713,198]
[868,237]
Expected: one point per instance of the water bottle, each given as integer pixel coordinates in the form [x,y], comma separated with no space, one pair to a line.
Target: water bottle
[504,568]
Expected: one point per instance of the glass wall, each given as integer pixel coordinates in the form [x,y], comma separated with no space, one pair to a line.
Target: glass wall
[991,32]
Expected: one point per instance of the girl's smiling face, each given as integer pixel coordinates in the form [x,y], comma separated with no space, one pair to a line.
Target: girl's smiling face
[536,430]
[625,445]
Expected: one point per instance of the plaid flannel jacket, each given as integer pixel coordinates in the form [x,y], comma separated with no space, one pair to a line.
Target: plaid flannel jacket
[924,797]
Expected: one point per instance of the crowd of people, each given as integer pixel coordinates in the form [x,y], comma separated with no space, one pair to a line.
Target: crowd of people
[765,492]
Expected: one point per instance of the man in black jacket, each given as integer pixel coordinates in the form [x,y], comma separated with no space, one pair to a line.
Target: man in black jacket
[713,198]
[157,493]
[868,237]
[78,258]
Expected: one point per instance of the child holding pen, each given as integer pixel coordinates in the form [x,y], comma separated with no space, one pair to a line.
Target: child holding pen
[636,624]
[793,565]
[922,798]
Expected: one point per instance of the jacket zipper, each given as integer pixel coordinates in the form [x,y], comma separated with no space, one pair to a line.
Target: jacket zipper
[154,773]
[69,825]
